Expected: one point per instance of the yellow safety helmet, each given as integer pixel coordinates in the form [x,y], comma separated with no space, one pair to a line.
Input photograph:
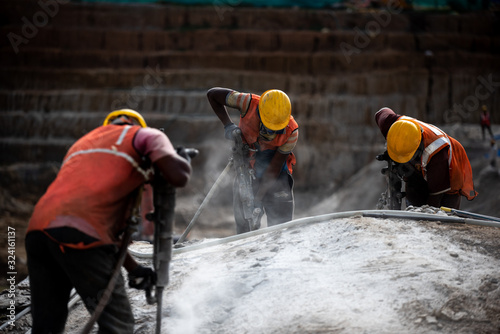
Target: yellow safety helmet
[127,112]
[275,109]
[403,140]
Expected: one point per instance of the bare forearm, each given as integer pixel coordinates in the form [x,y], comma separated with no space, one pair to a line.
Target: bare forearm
[217,99]
[129,264]
[175,169]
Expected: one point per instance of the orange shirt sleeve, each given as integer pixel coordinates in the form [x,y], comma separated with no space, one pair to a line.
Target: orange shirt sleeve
[290,143]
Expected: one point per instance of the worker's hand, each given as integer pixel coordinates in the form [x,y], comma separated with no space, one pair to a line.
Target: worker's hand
[258,209]
[141,278]
[383,157]
[183,152]
[258,212]
[228,130]
[258,205]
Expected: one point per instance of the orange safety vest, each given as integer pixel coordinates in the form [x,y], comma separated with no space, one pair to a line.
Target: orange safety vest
[459,166]
[96,188]
[250,128]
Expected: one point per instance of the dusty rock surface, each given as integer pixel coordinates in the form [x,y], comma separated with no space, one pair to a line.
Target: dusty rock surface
[343,275]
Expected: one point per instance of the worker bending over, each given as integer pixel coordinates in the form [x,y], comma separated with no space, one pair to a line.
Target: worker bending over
[433,165]
[270,130]
[75,231]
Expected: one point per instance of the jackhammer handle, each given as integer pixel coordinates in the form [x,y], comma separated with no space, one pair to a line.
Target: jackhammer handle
[149,297]
[236,132]
[192,152]
[383,157]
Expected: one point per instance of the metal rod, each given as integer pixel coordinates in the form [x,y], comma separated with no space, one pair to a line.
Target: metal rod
[159,307]
[205,201]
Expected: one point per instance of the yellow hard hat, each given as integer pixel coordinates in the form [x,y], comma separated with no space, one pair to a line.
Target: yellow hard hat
[127,112]
[403,140]
[275,109]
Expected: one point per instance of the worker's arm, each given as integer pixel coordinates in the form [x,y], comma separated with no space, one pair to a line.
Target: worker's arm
[139,277]
[155,145]
[129,264]
[270,175]
[175,169]
[217,99]
[438,178]
[384,118]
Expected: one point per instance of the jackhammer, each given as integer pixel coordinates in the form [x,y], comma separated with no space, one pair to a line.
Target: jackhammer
[163,218]
[392,197]
[244,179]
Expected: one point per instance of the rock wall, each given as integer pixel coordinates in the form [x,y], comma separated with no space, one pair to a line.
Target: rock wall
[65,65]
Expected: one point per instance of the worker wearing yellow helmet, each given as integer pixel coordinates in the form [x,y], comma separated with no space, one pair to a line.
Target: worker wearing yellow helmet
[434,166]
[270,130]
[76,226]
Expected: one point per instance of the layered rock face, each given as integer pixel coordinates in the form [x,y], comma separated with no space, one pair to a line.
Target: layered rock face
[66,65]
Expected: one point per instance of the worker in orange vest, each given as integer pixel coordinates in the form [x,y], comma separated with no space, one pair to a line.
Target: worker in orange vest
[485,122]
[76,228]
[434,166]
[270,130]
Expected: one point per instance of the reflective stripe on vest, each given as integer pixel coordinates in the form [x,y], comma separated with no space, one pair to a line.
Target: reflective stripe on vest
[433,147]
[459,166]
[146,173]
[97,204]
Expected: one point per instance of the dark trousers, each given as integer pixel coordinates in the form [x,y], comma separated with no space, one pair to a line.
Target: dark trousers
[278,203]
[417,194]
[53,273]
[487,127]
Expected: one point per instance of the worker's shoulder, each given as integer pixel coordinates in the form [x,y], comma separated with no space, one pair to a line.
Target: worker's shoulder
[150,135]
[150,131]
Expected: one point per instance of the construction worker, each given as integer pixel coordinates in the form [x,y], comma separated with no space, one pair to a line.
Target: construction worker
[485,122]
[270,130]
[76,228]
[434,166]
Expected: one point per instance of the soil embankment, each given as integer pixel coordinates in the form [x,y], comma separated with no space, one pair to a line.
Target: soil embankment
[160,60]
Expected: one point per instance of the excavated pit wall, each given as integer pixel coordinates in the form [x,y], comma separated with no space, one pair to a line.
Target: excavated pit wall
[64,75]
